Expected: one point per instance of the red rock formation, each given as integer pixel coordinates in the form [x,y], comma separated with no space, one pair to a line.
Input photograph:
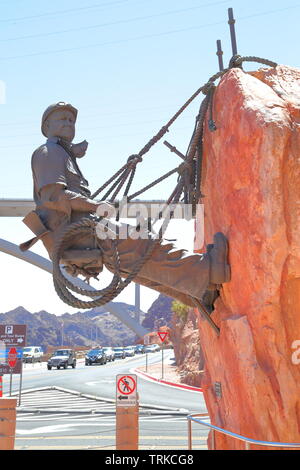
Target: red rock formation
[251,175]
[187,350]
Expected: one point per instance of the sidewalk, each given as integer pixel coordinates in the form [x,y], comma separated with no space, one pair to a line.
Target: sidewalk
[169,375]
[170,370]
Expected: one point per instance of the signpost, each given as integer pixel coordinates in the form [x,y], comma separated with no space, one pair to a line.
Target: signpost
[162,335]
[146,342]
[12,341]
[126,390]
[127,412]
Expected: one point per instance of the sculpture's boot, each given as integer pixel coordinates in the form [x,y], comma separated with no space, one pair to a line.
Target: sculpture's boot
[219,270]
[219,267]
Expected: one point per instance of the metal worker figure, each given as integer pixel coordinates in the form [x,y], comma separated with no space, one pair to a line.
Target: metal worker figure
[62,196]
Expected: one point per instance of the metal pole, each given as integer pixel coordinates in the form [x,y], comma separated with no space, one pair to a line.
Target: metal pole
[189,434]
[146,362]
[10,382]
[137,302]
[231,23]
[20,384]
[162,362]
[220,55]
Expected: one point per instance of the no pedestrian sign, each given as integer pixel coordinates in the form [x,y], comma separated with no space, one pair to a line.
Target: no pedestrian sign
[126,390]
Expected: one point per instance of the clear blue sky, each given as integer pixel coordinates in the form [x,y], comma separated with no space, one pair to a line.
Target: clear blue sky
[127,65]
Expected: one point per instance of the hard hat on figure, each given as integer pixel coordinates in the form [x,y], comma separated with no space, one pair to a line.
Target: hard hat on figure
[56,107]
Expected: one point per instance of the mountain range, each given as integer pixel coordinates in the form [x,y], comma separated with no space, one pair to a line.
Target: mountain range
[86,329]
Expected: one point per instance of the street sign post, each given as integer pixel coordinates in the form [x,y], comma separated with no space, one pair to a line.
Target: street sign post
[127,412]
[146,342]
[126,390]
[12,336]
[12,357]
[162,335]
[12,341]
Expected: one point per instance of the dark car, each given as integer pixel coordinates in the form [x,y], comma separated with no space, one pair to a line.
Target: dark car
[139,349]
[95,356]
[62,358]
[110,353]
[119,353]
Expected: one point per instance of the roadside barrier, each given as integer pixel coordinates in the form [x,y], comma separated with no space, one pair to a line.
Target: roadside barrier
[127,428]
[7,423]
[215,429]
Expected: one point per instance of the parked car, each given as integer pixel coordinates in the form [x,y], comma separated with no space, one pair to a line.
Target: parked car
[32,354]
[152,348]
[119,353]
[110,353]
[62,358]
[129,351]
[95,356]
[139,349]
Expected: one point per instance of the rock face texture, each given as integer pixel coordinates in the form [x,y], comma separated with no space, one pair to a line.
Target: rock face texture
[251,183]
[187,349]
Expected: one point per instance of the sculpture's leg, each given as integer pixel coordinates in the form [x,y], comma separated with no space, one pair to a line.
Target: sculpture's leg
[173,272]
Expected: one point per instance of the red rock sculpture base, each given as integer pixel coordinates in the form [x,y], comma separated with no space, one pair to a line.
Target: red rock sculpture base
[251,183]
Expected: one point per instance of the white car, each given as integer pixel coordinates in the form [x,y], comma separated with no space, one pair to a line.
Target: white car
[32,354]
[152,348]
[129,351]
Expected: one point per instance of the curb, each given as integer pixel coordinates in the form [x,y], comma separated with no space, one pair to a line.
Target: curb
[166,382]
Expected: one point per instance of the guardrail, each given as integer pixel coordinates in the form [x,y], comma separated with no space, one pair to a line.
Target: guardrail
[247,440]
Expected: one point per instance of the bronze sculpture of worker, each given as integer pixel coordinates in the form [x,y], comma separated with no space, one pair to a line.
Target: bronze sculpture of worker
[62,196]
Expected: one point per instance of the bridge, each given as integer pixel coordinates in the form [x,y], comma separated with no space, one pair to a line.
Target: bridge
[20,208]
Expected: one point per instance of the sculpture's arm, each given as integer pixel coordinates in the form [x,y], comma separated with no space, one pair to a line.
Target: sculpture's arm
[57,197]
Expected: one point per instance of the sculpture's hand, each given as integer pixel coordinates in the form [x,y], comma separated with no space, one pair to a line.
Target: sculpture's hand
[79,150]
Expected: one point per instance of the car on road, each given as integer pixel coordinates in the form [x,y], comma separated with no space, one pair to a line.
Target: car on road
[119,353]
[129,351]
[62,358]
[110,353]
[152,348]
[139,349]
[95,356]
[32,354]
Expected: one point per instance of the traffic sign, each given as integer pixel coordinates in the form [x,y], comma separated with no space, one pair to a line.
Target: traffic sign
[11,336]
[12,357]
[126,390]
[162,335]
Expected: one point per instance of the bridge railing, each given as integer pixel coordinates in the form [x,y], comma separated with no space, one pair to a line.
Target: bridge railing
[247,440]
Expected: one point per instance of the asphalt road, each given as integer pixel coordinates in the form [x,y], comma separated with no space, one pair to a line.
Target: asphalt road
[59,429]
[101,381]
